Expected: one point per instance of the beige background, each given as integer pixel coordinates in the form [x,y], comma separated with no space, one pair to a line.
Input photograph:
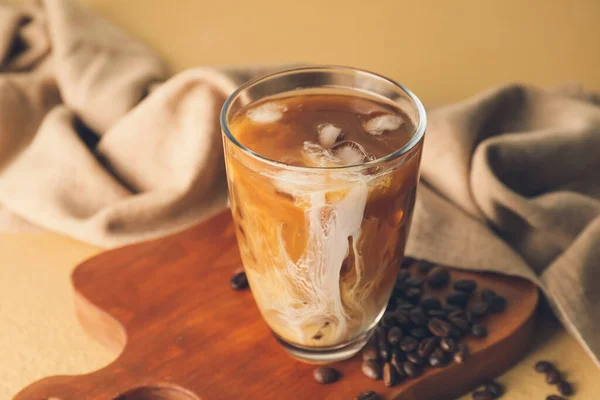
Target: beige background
[443,50]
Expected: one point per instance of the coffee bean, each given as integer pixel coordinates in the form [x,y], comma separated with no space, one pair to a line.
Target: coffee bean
[462,353]
[555,397]
[450,308]
[405,306]
[415,359]
[454,333]
[412,293]
[325,375]
[389,319]
[487,293]
[397,359]
[415,281]
[418,317]
[483,395]
[479,331]
[410,369]
[370,395]
[394,335]
[385,352]
[372,369]
[495,388]
[496,304]
[460,322]
[439,327]
[465,285]
[438,277]
[472,318]
[370,351]
[459,299]
[565,388]
[407,262]
[425,266]
[448,345]
[419,333]
[403,317]
[553,377]
[426,347]
[403,275]
[431,303]
[239,281]
[437,313]
[389,375]
[438,358]
[543,366]
[478,309]
[408,344]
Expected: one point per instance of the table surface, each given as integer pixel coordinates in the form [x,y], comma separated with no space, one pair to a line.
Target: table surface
[444,51]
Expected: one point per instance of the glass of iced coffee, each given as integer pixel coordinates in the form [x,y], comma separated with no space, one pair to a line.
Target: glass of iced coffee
[322,165]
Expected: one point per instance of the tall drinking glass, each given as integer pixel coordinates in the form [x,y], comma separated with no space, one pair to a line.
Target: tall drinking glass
[321,244]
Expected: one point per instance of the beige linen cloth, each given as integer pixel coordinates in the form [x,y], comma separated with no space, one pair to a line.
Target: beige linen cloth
[97,144]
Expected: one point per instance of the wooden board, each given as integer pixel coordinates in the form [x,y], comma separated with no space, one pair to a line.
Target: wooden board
[185,335]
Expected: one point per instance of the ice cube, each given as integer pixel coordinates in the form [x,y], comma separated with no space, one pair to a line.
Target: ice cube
[329,134]
[266,113]
[376,126]
[318,156]
[351,153]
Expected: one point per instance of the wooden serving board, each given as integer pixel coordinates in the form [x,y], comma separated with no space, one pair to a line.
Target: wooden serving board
[185,335]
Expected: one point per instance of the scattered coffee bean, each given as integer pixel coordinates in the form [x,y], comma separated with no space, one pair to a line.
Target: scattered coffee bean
[448,345]
[450,308]
[459,299]
[478,309]
[495,388]
[389,375]
[394,335]
[431,303]
[555,397]
[415,281]
[565,388]
[479,331]
[403,317]
[465,285]
[403,275]
[419,333]
[325,375]
[462,353]
[370,351]
[418,317]
[543,366]
[239,281]
[460,322]
[496,303]
[438,277]
[408,344]
[410,369]
[439,327]
[407,262]
[371,369]
[483,395]
[415,359]
[426,347]
[412,293]
[487,293]
[370,395]
[553,377]
[425,266]
[438,359]
[437,313]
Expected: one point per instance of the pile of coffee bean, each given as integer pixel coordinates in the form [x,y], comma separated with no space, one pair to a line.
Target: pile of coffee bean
[419,331]
[554,377]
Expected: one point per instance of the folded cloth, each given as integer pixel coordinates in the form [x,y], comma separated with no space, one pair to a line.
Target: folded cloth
[97,144]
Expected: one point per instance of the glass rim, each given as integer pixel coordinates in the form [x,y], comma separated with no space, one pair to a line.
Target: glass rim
[415,138]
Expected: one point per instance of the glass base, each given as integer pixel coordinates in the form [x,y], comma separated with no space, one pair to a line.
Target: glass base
[326,355]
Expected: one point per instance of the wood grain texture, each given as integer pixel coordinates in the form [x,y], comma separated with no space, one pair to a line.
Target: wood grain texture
[186,335]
